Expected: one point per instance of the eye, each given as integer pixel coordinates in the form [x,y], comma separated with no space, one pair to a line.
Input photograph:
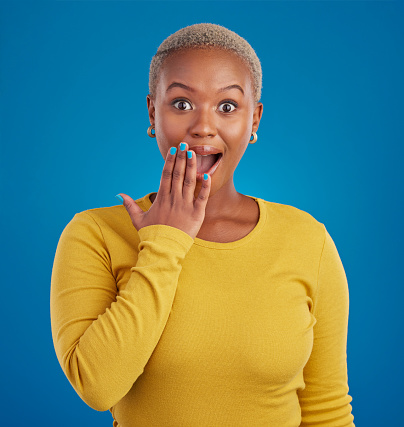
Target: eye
[227,107]
[182,103]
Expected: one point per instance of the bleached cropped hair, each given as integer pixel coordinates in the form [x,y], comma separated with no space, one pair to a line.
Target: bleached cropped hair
[207,35]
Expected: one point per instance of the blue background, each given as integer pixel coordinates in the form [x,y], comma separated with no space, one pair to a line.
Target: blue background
[74,80]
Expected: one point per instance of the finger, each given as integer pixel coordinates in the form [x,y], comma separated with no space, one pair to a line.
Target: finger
[166,176]
[179,171]
[203,196]
[190,177]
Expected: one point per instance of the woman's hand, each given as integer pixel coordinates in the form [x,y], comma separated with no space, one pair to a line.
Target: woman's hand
[175,204]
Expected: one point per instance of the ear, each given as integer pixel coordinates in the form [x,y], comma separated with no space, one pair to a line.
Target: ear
[257,116]
[151,109]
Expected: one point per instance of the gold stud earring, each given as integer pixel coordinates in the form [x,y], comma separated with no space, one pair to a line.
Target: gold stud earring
[149,131]
[255,137]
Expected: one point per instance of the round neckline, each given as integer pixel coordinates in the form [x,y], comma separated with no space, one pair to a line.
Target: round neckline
[228,245]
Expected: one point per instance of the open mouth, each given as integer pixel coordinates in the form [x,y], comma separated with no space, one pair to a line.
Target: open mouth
[207,164]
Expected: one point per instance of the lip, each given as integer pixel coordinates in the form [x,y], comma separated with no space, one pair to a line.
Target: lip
[205,149]
[199,176]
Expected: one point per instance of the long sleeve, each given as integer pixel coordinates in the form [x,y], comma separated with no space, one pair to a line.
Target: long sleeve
[104,337]
[325,400]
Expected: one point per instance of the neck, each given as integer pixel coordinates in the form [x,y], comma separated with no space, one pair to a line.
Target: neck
[225,203]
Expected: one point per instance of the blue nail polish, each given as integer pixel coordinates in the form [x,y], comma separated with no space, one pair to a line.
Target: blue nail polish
[205,176]
[182,146]
[173,150]
[119,197]
[189,154]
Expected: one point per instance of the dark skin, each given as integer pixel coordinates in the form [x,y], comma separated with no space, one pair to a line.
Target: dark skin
[203,116]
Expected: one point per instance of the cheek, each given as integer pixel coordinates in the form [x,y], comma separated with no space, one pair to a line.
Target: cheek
[170,127]
[237,130]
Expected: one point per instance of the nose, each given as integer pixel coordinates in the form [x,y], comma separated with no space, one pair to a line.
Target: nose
[203,124]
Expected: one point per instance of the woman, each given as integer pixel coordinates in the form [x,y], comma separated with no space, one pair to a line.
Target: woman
[198,305]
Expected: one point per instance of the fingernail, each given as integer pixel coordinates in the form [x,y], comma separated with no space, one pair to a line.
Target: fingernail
[189,154]
[182,146]
[119,197]
[173,150]
[205,176]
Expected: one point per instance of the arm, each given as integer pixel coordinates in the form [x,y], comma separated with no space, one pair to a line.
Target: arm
[325,400]
[103,338]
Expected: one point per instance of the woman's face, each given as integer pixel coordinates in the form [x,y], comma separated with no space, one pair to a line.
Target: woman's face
[190,106]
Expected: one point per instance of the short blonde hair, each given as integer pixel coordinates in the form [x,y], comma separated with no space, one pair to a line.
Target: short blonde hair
[205,36]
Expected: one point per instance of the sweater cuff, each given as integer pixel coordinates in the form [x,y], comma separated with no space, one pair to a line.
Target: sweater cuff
[156,231]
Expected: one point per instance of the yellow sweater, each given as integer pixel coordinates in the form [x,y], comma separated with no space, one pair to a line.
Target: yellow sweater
[165,330]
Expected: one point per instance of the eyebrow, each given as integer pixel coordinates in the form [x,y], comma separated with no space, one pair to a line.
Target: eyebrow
[223,89]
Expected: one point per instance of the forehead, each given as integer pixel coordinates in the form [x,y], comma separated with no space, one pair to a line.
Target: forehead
[205,69]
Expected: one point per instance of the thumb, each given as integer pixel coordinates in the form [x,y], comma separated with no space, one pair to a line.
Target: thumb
[132,208]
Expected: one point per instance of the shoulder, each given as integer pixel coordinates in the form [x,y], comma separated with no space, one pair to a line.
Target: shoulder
[294,221]
[104,214]
[111,214]
[105,222]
